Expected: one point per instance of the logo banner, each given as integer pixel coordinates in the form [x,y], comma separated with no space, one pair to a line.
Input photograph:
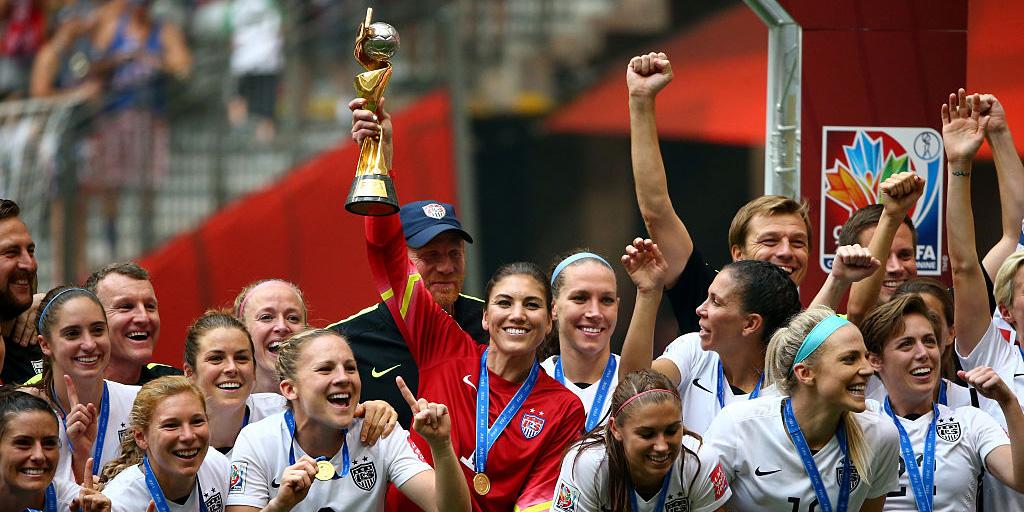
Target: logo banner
[855,160]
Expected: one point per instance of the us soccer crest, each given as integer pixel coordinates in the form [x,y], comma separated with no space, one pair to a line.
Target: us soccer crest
[214,501]
[364,475]
[856,160]
[949,430]
[434,211]
[678,504]
[531,425]
[854,475]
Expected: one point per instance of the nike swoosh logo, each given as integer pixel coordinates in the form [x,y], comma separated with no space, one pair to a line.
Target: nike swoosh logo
[275,484]
[377,375]
[758,472]
[466,380]
[1018,375]
[695,383]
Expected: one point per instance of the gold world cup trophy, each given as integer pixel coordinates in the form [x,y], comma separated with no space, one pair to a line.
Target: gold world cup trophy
[373,191]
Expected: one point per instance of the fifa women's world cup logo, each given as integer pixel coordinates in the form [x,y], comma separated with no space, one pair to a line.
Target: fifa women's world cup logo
[856,160]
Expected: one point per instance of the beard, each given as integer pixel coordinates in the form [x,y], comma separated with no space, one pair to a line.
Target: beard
[10,304]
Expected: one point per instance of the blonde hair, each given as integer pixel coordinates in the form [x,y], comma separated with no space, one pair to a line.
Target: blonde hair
[152,394]
[291,350]
[1004,278]
[778,362]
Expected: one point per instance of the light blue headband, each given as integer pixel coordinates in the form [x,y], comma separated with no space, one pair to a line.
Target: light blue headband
[573,259]
[46,309]
[816,337]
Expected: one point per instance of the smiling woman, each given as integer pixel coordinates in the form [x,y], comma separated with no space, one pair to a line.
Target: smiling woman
[527,415]
[312,457]
[74,339]
[271,309]
[165,457]
[29,449]
[644,459]
[817,446]
[219,360]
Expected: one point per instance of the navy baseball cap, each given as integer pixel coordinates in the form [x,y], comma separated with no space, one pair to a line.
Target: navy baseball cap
[423,220]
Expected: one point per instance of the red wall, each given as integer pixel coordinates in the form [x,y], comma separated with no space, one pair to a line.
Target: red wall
[297,229]
[873,63]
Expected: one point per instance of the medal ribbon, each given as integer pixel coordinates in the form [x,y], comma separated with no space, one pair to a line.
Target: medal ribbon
[157,493]
[659,505]
[922,485]
[485,437]
[101,428]
[720,392]
[50,504]
[594,416]
[942,393]
[812,469]
[289,420]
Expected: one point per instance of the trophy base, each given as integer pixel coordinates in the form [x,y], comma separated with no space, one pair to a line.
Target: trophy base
[372,195]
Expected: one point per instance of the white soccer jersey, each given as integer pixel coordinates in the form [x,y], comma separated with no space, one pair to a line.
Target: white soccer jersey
[583,482]
[698,381]
[964,437]
[128,491]
[261,456]
[956,396]
[587,394]
[765,471]
[121,397]
[262,405]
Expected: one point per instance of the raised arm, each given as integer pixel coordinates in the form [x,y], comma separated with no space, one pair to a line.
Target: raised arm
[1010,173]
[963,130]
[645,76]
[897,194]
[647,268]
[851,264]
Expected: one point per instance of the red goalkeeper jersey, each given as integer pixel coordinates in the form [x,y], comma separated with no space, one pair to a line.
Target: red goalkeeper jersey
[524,463]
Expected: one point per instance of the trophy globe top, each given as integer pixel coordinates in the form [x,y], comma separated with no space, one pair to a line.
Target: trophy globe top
[381,42]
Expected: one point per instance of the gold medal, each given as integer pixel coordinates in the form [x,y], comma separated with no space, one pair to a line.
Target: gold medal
[481,484]
[325,470]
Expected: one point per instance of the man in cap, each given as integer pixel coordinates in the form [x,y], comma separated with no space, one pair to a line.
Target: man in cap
[436,243]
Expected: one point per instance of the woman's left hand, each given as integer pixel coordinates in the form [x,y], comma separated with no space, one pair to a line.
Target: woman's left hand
[430,420]
[988,383]
[379,419]
[89,499]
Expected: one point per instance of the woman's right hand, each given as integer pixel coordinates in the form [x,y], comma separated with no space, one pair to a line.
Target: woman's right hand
[430,420]
[646,265]
[295,483]
[81,422]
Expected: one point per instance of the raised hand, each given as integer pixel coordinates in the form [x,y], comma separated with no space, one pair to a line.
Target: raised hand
[81,422]
[89,498]
[991,107]
[645,265]
[963,126]
[648,74]
[429,419]
[295,483]
[899,192]
[988,383]
[853,263]
[366,123]
[379,419]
